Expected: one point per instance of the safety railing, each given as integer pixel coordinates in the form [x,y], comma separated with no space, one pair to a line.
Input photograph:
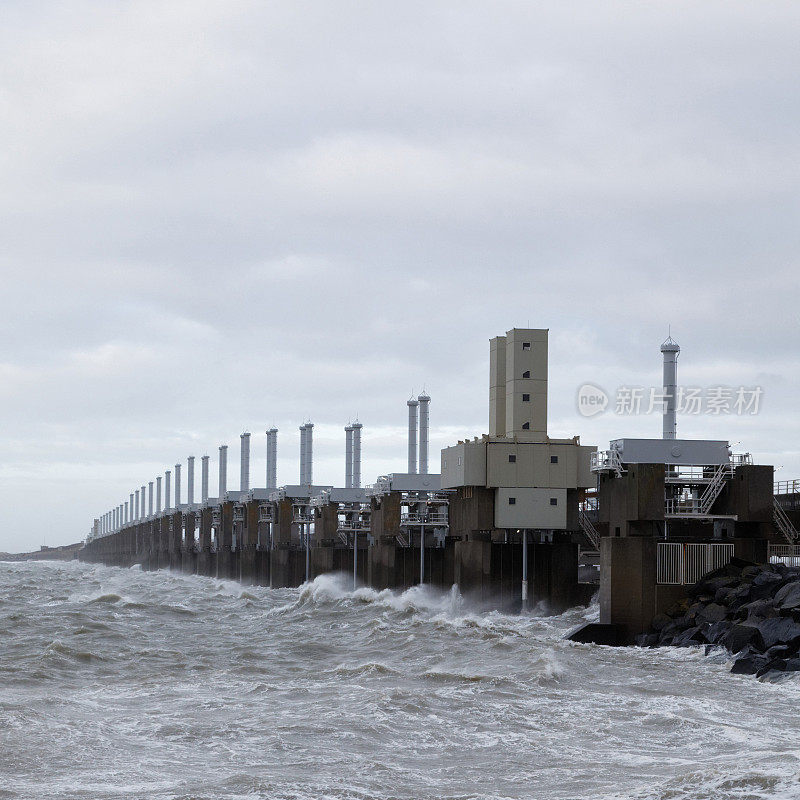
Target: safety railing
[787,487]
[353,525]
[602,460]
[688,474]
[684,563]
[423,519]
[788,554]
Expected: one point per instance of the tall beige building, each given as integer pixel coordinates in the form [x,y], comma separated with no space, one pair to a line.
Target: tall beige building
[535,479]
[518,384]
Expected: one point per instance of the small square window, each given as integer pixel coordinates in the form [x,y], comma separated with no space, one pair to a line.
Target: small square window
[526,345]
[526,374]
[553,501]
[526,398]
[512,459]
[554,459]
[512,501]
[526,426]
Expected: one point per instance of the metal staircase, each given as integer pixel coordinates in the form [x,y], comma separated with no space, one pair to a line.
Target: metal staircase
[783,523]
[701,506]
[712,492]
[589,530]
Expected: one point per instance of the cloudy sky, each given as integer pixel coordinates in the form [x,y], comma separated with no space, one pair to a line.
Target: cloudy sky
[218,216]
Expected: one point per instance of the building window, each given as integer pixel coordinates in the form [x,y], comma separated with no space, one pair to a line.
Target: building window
[526,374]
[512,459]
[459,461]
[554,459]
[526,345]
[553,501]
[512,501]
[526,398]
[526,426]
[444,463]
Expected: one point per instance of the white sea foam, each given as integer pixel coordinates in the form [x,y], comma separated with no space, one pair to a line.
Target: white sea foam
[130,684]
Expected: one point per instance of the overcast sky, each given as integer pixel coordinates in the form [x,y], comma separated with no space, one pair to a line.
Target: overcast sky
[218,216]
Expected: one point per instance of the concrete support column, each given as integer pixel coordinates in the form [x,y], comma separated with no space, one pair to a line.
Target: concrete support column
[176,540]
[189,554]
[628,583]
[204,549]
[248,562]
[225,559]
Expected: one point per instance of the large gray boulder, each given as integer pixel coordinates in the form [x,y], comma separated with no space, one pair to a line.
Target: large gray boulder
[741,636]
[713,612]
[788,596]
[778,630]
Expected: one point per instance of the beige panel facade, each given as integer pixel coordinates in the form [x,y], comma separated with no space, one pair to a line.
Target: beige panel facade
[526,383]
[464,464]
[493,462]
[544,464]
[531,508]
[497,386]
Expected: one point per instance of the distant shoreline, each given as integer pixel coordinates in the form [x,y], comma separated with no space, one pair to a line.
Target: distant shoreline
[67,552]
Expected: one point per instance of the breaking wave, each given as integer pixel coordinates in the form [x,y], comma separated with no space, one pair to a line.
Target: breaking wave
[126,684]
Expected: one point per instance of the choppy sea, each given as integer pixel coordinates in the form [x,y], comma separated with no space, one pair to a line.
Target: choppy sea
[117,683]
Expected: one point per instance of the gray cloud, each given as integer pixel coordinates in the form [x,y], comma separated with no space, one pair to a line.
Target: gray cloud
[217,216]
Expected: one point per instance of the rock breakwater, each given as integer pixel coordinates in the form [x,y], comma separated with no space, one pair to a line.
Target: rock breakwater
[751,610]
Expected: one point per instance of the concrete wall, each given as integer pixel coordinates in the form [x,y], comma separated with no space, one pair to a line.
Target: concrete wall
[628,583]
[633,504]
[490,573]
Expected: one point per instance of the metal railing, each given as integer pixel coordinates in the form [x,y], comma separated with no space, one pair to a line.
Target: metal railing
[602,460]
[787,487]
[700,506]
[683,563]
[687,474]
[423,519]
[360,526]
[788,554]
